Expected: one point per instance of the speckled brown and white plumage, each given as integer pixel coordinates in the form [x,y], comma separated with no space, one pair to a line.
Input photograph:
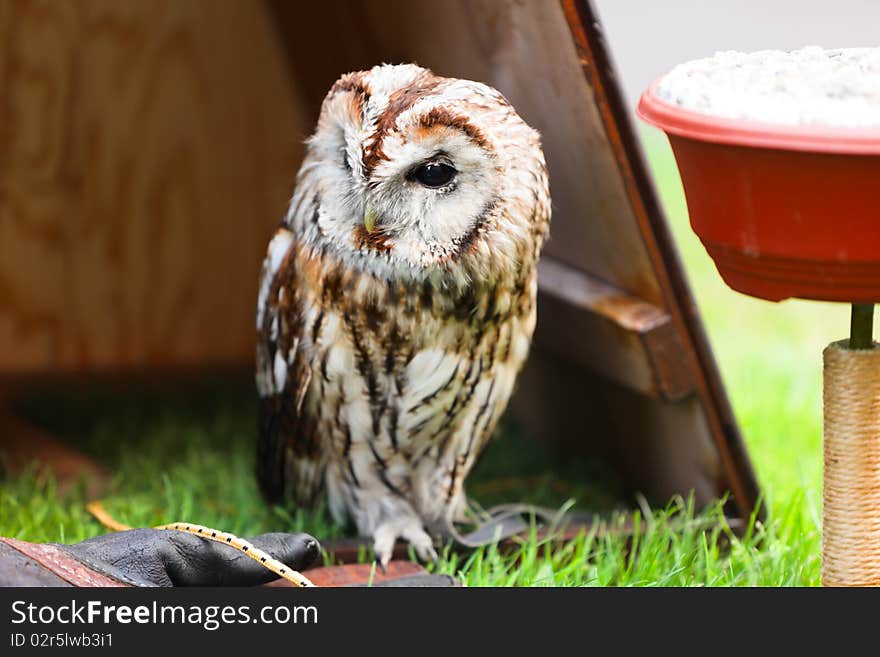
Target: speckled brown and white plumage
[385,358]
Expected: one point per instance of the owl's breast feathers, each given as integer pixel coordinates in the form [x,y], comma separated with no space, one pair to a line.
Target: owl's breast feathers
[373,387]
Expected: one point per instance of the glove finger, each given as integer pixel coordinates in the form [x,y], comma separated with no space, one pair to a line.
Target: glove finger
[192,560]
[134,556]
[298,551]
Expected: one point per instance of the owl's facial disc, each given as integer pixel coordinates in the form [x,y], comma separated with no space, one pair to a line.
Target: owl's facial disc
[437,173]
[428,192]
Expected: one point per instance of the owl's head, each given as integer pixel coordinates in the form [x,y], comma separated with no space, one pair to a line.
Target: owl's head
[415,173]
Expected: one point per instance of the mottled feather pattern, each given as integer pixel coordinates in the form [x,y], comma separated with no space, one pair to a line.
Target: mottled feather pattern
[385,358]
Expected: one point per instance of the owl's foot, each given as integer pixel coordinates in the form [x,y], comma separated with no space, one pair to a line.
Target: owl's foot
[409,529]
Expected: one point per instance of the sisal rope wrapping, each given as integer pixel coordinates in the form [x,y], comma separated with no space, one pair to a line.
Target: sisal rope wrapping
[851,494]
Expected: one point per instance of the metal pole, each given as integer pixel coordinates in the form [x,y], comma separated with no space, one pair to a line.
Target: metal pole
[861,328]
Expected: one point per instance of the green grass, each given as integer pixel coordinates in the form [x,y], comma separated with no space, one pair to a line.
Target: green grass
[188,454]
[185,450]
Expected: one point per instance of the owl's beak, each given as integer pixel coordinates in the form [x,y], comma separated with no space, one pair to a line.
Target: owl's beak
[370,218]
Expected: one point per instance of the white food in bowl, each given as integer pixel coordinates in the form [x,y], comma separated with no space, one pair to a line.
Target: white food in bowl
[811,86]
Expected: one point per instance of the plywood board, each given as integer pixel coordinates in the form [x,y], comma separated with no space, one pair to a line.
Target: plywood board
[148,149]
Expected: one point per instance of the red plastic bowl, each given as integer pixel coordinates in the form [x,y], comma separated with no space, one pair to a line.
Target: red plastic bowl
[783,211]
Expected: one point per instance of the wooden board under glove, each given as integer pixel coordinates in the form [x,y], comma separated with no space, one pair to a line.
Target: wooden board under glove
[357,574]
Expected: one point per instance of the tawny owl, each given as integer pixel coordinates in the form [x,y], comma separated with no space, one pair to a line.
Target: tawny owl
[397,301]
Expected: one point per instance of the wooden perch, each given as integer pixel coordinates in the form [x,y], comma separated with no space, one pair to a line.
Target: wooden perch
[619,336]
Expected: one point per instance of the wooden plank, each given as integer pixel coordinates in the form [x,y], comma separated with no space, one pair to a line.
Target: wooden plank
[598,70]
[656,448]
[148,150]
[610,332]
[356,574]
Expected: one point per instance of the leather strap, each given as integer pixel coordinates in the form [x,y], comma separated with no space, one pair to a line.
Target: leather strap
[62,564]
[508,520]
[398,573]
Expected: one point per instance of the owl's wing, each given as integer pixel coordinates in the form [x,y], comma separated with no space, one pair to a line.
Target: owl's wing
[289,458]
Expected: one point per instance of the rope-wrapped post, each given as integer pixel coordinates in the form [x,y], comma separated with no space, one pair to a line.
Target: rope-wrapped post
[851,494]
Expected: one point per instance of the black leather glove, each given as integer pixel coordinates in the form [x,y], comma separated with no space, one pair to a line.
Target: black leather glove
[164,557]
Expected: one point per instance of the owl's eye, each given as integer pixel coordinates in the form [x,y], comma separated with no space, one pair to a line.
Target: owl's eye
[434,174]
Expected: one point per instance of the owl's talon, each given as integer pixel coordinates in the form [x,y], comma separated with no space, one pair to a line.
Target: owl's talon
[410,530]
[383,545]
[422,544]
